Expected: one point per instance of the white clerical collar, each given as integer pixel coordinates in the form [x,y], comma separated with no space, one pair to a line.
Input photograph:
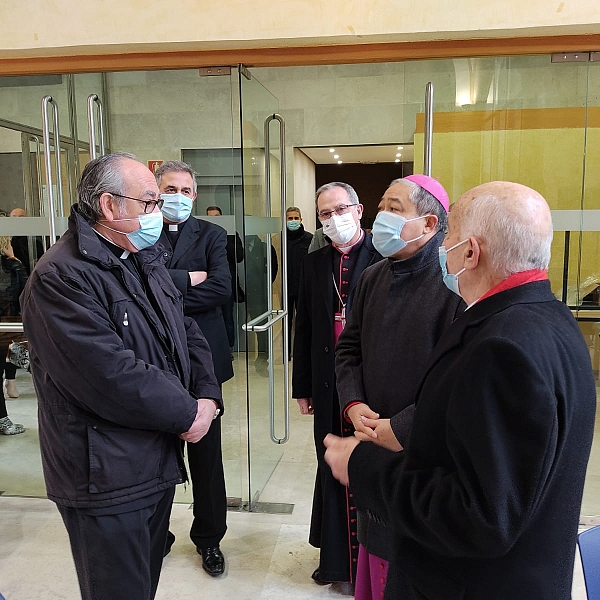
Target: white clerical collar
[123,256]
[173,227]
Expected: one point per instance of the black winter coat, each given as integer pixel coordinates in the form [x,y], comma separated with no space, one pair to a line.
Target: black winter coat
[484,502]
[297,248]
[201,246]
[112,378]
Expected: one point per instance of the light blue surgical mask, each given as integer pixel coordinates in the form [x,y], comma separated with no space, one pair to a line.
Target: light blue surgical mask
[148,233]
[450,280]
[293,225]
[387,230]
[176,207]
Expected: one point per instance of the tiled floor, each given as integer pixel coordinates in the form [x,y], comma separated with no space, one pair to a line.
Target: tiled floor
[267,554]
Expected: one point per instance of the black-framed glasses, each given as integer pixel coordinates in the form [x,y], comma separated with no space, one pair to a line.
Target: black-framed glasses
[149,205]
[341,209]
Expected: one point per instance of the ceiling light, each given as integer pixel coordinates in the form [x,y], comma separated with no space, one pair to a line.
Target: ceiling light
[400,147]
[397,160]
[398,155]
[331,149]
[339,162]
[336,156]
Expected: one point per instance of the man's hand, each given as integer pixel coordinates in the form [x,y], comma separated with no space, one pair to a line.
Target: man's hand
[338,454]
[197,277]
[383,431]
[306,406]
[355,414]
[202,422]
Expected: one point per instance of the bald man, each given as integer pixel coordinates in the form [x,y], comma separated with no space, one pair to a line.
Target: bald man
[484,501]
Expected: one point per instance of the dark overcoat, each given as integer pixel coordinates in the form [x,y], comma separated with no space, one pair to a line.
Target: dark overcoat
[112,370]
[485,501]
[201,246]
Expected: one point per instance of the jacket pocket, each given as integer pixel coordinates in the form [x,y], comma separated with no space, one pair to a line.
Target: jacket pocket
[121,458]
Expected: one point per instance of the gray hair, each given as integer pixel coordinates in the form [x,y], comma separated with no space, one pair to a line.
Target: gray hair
[350,191]
[101,176]
[513,244]
[290,209]
[175,166]
[424,202]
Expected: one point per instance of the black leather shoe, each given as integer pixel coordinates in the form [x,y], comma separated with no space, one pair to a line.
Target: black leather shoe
[316,577]
[213,561]
[170,541]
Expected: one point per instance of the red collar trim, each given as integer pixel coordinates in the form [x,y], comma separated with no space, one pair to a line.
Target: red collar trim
[515,280]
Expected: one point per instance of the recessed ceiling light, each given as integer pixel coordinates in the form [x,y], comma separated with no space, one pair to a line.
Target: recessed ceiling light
[336,156]
[398,155]
[397,160]
[400,147]
[339,162]
[331,149]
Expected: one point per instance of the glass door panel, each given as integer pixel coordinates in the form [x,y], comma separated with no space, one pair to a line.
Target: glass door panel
[588,280]
[179,115]
[507,118]
[265,358]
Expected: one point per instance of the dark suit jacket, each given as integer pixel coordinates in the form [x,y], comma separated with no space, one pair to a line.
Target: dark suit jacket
[485,500]
[314,374]
[201,247]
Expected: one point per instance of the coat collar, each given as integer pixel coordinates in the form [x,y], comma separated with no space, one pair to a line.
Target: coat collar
[421,259]
[528,293]
[92,248]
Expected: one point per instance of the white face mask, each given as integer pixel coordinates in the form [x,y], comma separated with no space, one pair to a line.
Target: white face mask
[340,229]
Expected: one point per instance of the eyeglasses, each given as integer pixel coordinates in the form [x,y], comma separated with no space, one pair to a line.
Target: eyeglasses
[341,209]
[149,205]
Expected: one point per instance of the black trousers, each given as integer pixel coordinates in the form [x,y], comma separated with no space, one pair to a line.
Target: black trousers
[119,556]
[205,460]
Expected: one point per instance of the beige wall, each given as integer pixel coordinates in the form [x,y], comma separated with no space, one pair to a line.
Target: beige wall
[39,27]
[304,189]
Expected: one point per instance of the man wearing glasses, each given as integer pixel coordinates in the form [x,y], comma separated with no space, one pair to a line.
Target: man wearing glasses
[200,270]
[328,277]
[120,376]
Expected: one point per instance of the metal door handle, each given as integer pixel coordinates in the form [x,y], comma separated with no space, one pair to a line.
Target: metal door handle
[283,314]
[94,99]
[428,129]
[46,100]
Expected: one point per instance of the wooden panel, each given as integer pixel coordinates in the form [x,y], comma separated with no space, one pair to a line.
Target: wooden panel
[297,55]
[527,118]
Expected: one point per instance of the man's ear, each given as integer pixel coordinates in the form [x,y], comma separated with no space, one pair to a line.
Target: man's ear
[472,253]
[430,224]
[109,207]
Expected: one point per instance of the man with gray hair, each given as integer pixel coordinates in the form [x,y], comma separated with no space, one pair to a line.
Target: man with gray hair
[328,277]
[400,305]
[484,501]
[120,376]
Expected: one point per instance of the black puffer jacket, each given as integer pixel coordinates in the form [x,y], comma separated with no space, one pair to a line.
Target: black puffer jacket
[111,377]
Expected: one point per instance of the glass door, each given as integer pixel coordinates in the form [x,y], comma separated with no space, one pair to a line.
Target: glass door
[267,344]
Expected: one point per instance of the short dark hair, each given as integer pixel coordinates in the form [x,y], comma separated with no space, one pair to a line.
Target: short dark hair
[214,208]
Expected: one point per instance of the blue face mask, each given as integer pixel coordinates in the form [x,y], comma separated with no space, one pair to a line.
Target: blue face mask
[450,280]
[148,233]
[293,225]
[176,207]
[386,233]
